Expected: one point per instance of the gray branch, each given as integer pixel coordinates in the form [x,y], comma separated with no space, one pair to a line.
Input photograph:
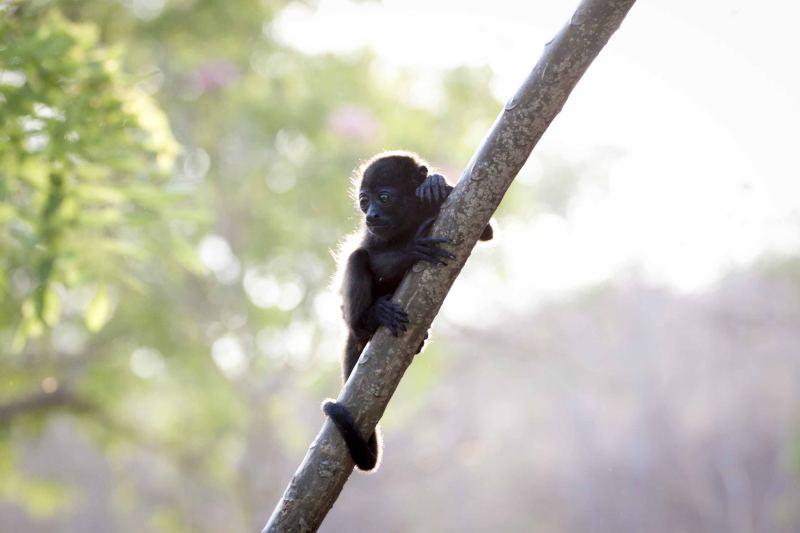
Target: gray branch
[37,402]
[318,481]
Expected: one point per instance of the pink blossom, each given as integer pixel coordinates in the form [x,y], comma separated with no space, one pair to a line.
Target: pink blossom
[214,75]
[353,122]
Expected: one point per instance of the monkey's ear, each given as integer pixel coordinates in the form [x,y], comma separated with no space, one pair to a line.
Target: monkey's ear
[423,170]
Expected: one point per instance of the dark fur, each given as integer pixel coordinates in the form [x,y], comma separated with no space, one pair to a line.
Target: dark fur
[400,201]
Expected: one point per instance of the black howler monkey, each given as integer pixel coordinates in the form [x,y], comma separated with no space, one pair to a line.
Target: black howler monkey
[400,201]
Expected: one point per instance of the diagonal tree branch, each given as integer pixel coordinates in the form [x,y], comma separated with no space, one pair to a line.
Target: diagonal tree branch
[327,465]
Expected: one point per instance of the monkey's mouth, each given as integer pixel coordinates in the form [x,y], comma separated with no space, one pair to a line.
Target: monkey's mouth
[379,230]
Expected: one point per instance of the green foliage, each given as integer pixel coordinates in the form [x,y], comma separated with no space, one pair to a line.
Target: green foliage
[177,303]
[81,152]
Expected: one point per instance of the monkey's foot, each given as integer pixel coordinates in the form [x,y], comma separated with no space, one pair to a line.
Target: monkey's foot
[392,316]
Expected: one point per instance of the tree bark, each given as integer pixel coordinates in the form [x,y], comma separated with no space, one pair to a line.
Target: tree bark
[327,465]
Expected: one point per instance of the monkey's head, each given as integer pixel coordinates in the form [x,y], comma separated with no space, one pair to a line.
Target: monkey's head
[386,194]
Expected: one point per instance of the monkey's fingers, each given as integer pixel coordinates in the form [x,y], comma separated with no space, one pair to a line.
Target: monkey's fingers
[432,246]
[425,255]
[435,256]
[434,240]
[436,187]
[441,190]
[397,327]
[401,317]
[387,305]
[393,317]
[425,227]
[433,190]
[438,252]
[397,313]
[392,325]
[399,322]
[423,192]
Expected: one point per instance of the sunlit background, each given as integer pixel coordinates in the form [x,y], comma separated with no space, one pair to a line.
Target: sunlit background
[624,356]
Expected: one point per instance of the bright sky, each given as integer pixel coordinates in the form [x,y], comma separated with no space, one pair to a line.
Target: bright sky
[700,98]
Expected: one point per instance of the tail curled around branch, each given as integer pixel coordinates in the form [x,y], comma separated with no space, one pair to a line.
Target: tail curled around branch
[365,452]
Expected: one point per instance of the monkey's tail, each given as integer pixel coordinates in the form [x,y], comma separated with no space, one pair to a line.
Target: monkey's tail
[365,452]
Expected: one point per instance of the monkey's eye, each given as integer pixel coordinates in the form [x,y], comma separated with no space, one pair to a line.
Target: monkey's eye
[383,197]
[363,203]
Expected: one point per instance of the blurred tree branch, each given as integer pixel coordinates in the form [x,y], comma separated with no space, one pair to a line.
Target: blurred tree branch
[62,395]
[40,401]
[327,465]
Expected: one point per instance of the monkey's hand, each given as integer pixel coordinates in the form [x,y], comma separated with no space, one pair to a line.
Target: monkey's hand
[391,315]
[433,190]
[424,248]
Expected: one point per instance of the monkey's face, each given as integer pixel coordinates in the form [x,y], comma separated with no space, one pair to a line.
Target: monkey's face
[387,196]
[380,208]
[387,210]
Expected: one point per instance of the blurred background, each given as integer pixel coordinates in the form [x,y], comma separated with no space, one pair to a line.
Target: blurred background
[624,356]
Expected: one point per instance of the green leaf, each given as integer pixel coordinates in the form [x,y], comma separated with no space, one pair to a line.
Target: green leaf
[100,193]
[34,172]
[186,254]
[99,310]
[7,212]
[51,309]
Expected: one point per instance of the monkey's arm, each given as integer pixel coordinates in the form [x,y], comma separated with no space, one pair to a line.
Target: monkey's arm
[389,265]
[434,190]
[357,294]
[363,312]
